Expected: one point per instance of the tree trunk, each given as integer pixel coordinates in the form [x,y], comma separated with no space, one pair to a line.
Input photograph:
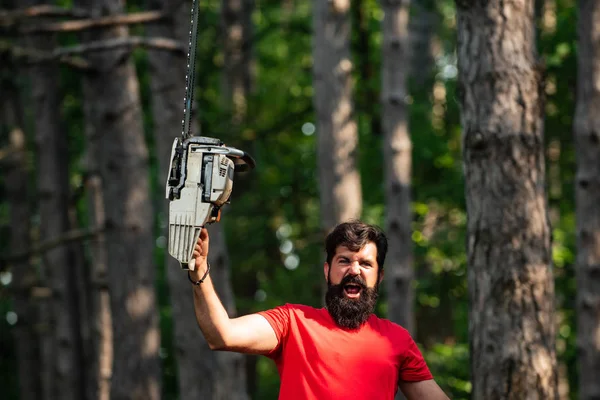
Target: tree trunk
[57,265]
[511,287]
[100,357]
[366,94]
[236,22]
[196,363]
[122,158]
[397,151]
[16,178]
[587,190]
[238,82]
[221,375]
[339,178]
[423,22]
[231,381]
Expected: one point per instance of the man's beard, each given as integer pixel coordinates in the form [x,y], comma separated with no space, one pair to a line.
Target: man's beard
[351,313]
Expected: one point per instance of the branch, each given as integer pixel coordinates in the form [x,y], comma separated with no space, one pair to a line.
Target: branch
[159,43]
[34,56]
[8,17]
[71,55]
[84,24]
[43,247]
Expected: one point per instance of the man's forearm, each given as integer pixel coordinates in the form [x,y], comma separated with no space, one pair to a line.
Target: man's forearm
[211,316]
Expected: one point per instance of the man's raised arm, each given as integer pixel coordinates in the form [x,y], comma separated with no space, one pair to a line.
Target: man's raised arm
[247,334]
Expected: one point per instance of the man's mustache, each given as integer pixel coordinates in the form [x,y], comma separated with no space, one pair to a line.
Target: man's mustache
[353,279]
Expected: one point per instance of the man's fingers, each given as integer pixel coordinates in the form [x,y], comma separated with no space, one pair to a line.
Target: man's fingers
[204,235]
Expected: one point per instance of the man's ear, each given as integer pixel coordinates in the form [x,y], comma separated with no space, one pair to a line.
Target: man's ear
[381,273]
[326,271]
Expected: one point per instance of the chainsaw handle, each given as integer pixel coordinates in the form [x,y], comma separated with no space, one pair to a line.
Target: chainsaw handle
[242,160]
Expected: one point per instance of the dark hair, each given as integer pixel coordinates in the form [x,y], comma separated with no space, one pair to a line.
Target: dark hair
[355,235]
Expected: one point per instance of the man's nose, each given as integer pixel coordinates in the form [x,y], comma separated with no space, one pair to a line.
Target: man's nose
[354,268]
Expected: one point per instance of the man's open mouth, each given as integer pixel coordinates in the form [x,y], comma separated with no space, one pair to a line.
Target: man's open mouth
[352,290]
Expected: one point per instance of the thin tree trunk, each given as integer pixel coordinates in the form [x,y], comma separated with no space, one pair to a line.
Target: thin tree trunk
[16,176]
[238,82]
[100,358]
[236,23]
[81,276]
[232,367]
[122,158]
[587,190]
[196,363]
[67,374]
[422,25]
[397,151]
[366,94]
[511,287]
[339,178]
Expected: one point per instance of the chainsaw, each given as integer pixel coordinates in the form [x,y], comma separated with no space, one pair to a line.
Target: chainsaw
[201,172]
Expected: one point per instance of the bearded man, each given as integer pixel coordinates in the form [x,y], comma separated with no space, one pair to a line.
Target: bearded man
[340,351]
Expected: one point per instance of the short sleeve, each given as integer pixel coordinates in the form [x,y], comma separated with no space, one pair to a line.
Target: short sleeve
[413,367]
[279,319]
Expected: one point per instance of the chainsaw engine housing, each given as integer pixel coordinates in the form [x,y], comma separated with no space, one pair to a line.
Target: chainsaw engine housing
[200,182]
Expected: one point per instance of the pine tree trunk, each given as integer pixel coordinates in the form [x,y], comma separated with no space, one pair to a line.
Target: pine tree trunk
[196,363]
[100,358]
[238,82]
[57,265]
[16,177]
[122,158]
[397,151]
[587,189]
[221,377]
[230,382]
[339,178]
[510,278]
[366,95]
[236,24]
[423,22]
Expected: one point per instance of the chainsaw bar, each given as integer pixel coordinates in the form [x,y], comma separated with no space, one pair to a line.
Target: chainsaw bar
[188,100]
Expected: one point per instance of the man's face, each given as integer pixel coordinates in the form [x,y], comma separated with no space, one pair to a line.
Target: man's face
[362,264]
[353,282]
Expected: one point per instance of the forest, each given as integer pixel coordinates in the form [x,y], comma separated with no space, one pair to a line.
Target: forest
[464,128]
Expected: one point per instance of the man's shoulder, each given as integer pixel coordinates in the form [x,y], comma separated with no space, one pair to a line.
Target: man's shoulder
[386,326]
[302,309]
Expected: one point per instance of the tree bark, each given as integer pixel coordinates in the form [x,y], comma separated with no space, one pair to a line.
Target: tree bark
[231,379]
[238,81]
[587,191]
[167,73]
[100,357]
[222,377]
[511,287]
[236,25]
[397,151]
[423,21]
[366,93]
[339,178]
[16,176]
[122,158]
[57,265]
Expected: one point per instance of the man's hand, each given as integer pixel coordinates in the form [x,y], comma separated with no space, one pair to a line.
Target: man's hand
[198,265]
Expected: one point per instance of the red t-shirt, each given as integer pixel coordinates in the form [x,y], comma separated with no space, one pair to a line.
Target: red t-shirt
[319,360]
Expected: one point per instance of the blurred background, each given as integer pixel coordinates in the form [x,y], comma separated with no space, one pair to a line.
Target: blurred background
[92,98]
